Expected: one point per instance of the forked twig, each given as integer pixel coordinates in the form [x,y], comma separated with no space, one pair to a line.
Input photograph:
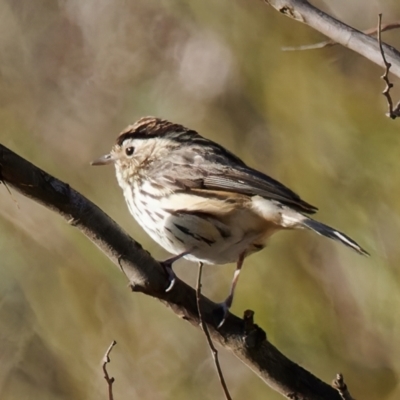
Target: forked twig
[109,380]
[393,112]
[203,325]
[341,387]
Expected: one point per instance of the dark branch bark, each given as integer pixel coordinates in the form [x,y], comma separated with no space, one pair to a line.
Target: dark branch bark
[341,387]
[303,11]
[247,341]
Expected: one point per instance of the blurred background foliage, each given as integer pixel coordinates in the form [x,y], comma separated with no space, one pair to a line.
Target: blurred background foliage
[74,73]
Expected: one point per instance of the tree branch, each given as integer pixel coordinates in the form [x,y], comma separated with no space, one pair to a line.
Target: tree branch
[247,341]
[353,39]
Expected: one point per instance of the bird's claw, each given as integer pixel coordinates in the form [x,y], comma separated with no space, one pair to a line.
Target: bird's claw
[167,266]
[225,306]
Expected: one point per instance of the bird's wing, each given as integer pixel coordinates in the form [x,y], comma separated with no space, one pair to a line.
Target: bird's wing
[230,175]
[250,182]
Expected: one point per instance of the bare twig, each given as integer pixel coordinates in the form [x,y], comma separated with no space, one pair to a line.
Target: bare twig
[341,387]
[109,380]
[330,43]
[393,112]
[313,46]
[337,31]
[203,325]
[384,28]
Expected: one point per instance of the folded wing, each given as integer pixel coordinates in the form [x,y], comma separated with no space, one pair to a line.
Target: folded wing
[218,170]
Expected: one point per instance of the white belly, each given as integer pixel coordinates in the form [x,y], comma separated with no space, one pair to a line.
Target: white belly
[206,238]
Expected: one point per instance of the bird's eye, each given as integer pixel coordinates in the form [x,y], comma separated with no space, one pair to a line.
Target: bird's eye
[129,151]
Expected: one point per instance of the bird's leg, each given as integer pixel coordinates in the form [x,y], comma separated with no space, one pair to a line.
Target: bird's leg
[226,305]
[167,266]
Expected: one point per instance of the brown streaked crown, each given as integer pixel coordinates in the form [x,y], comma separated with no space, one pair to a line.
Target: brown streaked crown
[149,127]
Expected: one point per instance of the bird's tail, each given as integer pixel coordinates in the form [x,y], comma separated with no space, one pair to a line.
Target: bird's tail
[329,232]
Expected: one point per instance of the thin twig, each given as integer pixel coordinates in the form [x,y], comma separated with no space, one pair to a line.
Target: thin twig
[109,380]
[393,112]
[314,46]
[384,28]
[203,325]
[330,43]
[341,387]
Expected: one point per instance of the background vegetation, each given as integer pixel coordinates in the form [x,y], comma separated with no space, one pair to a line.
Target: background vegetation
[74,73]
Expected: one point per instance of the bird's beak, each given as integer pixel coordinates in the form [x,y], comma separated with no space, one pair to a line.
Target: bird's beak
[103,160]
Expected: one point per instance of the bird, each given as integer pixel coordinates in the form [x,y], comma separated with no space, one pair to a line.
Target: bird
[201,202]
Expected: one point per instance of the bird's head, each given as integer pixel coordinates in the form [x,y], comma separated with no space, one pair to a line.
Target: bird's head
[148,139]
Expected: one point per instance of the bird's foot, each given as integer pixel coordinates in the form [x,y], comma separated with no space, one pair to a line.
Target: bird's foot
[167,266]
[224,310]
